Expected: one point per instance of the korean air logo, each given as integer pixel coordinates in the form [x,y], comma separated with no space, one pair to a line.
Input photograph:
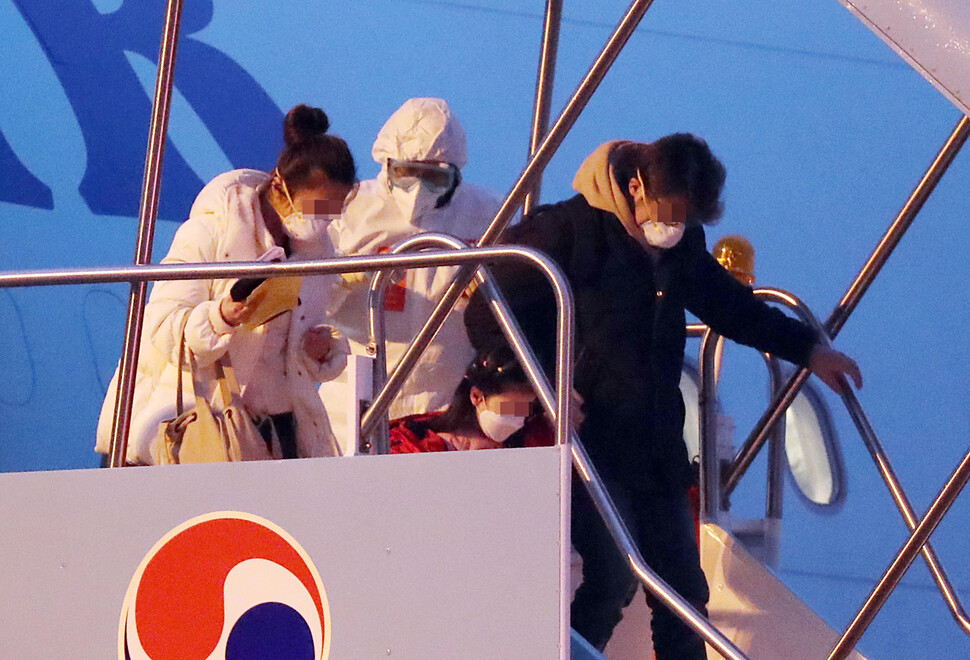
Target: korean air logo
[225,585]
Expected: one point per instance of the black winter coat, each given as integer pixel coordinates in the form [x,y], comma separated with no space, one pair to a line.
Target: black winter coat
[630,330]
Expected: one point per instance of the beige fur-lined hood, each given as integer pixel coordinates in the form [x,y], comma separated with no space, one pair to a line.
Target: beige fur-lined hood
[596,181]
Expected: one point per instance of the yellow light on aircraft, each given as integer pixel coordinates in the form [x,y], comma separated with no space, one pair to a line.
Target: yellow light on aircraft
[736,254]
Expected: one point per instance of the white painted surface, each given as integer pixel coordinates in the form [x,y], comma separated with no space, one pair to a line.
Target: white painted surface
[431,556]
[932,35]
[343,396]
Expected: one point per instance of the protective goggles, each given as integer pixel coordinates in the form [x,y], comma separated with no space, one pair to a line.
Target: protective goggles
[438,177]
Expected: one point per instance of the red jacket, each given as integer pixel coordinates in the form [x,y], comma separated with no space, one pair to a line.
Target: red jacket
[411,435]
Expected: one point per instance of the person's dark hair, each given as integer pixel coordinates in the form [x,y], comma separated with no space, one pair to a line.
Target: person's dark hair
[310,149]
[493,372]
[679,164]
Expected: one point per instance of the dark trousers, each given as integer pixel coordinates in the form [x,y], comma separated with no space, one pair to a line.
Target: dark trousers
[663,530]
[283,428]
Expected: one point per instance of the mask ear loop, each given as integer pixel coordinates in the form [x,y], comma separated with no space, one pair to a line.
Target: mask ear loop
[643,189]
[285,190]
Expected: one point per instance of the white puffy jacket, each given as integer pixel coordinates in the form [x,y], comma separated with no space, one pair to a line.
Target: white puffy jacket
[421,129]
[225,224]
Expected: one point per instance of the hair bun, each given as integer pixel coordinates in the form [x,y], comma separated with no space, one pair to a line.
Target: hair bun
[304,123]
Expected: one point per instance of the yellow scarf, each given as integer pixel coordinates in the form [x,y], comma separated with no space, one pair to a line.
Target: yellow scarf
[596,181]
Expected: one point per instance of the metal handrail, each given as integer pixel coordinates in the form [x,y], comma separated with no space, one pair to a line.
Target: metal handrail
[653,582]
[391,387]
[850,301]
[891,578]
[774,504]
[147,215]
[902,503]
[375,419]
[257,269]
[138,273]
[709,478]
[545,78]
[881,459]
[710,465]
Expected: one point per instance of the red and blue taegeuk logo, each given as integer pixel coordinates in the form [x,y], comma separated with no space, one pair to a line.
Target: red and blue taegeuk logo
[225,585]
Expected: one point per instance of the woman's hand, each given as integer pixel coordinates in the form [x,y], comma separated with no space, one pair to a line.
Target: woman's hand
[318,342]
[833,367]
[234,313]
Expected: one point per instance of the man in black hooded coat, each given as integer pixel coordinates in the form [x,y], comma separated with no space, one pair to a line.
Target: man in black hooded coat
[633,249]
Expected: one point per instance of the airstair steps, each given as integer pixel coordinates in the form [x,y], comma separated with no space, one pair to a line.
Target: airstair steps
[751,606]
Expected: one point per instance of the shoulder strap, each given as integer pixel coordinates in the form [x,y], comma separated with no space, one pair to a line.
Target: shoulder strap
[179,407]
[226,377]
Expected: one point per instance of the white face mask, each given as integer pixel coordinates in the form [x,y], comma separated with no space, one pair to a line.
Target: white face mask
[499,427]
[660,235]
[416,201]
[303,227]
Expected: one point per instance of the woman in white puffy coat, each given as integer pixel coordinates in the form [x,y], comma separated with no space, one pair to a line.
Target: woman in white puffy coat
[239,216]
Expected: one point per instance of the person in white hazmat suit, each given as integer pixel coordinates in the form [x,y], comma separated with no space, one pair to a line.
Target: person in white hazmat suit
[421,150]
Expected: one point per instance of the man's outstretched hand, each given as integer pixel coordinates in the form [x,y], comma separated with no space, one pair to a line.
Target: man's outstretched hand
[831,366]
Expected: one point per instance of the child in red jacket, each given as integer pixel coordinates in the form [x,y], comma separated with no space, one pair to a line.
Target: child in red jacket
[494,406]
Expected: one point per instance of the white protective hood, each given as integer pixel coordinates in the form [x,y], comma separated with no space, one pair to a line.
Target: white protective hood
[421,129]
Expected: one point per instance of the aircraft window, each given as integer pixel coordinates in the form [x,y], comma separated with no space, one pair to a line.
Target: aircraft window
[811,444]
[812,449]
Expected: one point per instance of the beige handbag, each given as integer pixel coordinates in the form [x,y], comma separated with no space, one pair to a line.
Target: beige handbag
[205,434]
